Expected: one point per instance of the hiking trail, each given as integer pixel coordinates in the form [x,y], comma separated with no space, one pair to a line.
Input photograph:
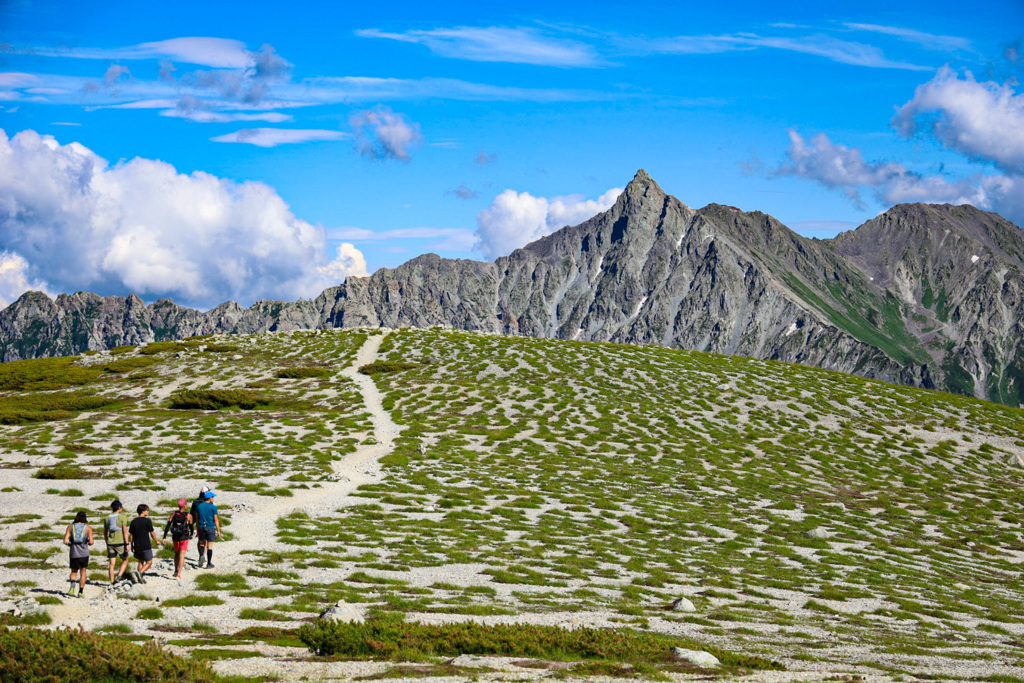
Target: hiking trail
[253,525]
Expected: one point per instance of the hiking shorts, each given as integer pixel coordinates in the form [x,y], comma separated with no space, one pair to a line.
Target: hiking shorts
[79,563]
[207,533]
[143,555]
[117,550]
[181,545]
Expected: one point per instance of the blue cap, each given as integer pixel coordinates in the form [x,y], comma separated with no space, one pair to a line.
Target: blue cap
[210,494]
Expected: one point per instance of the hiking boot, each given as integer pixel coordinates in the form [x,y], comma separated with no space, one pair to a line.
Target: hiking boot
[202,561]
[209,565]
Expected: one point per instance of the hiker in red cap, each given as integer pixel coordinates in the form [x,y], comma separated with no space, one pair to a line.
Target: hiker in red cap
[180,526]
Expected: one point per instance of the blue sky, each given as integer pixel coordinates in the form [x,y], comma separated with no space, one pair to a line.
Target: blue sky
[266,150]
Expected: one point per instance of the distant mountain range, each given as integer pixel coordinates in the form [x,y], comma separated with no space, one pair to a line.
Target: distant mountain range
[925,294]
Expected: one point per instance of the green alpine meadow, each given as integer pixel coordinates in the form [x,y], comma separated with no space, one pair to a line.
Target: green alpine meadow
[435,502]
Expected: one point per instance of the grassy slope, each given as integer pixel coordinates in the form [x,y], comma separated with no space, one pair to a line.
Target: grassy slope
[578,476]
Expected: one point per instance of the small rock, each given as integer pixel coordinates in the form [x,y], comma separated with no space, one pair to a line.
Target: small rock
[705,660]
[7,607]
[344,612]
[179,354]
[818,532]
[237,356]
[683,605]
[1015,459]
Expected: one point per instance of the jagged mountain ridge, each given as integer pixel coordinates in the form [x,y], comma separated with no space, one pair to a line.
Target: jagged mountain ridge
[897,299]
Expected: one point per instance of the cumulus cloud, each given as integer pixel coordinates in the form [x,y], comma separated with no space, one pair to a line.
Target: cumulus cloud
[15,279]
[982,121]
[845,169]
[70,221]
[514,219]
[347,261]
[497,44]
[272,137]
[382,134]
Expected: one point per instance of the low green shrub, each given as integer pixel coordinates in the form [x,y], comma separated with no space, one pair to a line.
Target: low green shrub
[193,601]
[217,399]
[44,374]
[382,366]
[129,364]
[154,348]
[29,654]
[409,640]
[124,348]
[302,373]
[66,470]
[28,408]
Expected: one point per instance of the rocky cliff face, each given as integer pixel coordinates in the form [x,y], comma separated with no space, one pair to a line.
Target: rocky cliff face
[923,295]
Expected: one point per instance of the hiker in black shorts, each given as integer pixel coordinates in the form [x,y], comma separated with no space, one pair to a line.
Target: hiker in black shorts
[78,537]
[115,533]
[139,533]
[194,512]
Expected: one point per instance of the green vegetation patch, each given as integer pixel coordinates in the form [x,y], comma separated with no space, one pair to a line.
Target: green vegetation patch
[67,655]
[302,373]
[29,408]
[383,366]
[218,399]
[44,374]
[410,640]
[129,364]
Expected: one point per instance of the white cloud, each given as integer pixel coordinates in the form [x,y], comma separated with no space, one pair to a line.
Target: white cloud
[845,169]
[80,224]
[514,219]
[496,44]
[983,121]
[272,137]
[447,239]
[929,41]
[221,53]
[347,261]
[383,134]
[15,279]
[821,45]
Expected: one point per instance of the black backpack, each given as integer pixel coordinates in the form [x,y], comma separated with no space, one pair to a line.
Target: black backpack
[180,528]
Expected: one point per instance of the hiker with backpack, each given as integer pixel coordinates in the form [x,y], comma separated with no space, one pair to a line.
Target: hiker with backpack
[209,526]
[139,533]
[180,526]
[194,511]
[115,533]
[78,537]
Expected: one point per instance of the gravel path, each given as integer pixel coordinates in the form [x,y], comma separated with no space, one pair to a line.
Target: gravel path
[253,525]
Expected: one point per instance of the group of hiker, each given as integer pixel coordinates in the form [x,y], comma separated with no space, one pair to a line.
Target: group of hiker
[138,535]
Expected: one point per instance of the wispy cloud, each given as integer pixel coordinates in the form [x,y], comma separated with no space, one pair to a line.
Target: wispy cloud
[272,137]
[819,44]
[450,239]
[519,45]
[220,53]
[928,41]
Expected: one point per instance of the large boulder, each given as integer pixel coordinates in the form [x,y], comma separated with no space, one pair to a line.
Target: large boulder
[345,612]
[705,660]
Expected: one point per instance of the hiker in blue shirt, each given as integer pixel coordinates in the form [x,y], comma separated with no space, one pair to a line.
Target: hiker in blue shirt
[209,527]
